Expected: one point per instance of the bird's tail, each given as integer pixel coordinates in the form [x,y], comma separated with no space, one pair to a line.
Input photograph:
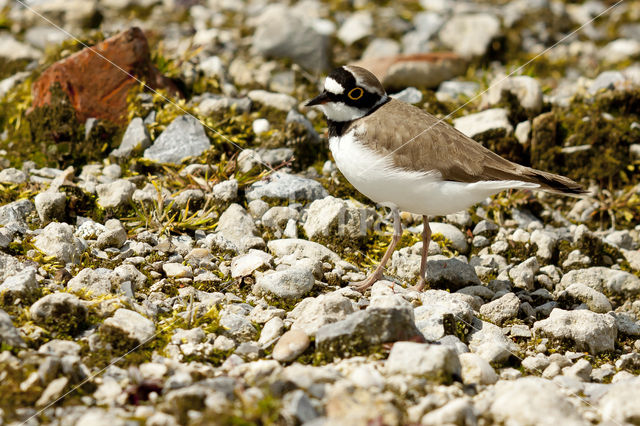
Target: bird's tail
[555,183]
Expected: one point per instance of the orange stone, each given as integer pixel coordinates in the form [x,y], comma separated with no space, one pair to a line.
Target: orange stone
[95,86]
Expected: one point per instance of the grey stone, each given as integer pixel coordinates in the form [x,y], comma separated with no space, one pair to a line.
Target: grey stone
[216,103]
[476,124]
[470,34]
[502,309]
[284,186]
[15,214]
[238,327]
[225,191]
[237,226]
[184,137]
[246,264]
[620,403]
[595,301]
[290,345]
[434,362]
[363,329]
[604,280]
[379,48]
[19,286]
[115,235]
[488,341]
[57,240]
[606,80]
[627,324]
[452,273]
[294,116]
[440,313]
[545,241]
[524,273]
[523,131]
[283,34]
[9,335]
[298,405]
[130,324]
[291,283]
[588,330]
[52,392]
[485,227]
[333,216]
[52,306]
[459,411]
[271,331]
[529,401]
[526,89]
[476,369]
[95,282]
[12,49]
[581,369]
[453,234]
[312,313]
[452,91]
[193,198]
[299,249]
[620,239]
[276,218]
[135,139]
[279,101]
[12,175]
[115,194]
[410,95]
[50,206]
[357,26]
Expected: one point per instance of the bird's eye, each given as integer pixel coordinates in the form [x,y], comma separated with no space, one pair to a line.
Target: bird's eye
[355,93]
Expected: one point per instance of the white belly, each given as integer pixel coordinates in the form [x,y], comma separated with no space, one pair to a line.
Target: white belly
[416,192]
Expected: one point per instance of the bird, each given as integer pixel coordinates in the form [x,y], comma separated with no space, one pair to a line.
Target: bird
[405,159]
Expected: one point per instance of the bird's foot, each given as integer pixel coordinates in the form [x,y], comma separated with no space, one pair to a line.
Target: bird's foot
[363,285]
[418,287]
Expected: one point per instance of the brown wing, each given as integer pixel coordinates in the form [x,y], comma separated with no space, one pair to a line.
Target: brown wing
[420,142]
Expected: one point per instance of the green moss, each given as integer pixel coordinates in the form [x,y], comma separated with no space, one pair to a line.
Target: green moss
[9,67]
[583,123]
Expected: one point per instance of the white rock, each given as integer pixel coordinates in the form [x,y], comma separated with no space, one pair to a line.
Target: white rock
[476,369]
[357,26]
[423,360]
[244,265]
[115,194]
[526,89]
[291,283]
[131,324]
[588,330]
[470,34]
[260,125]
[312,313]
[491,119]
[57,240]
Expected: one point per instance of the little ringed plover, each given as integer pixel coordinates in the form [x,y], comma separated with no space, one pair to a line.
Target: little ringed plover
[381,147]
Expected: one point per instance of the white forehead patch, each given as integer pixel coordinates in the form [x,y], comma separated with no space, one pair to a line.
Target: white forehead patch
[330,85]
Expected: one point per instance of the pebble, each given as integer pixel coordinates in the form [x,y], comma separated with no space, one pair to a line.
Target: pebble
[291,283]
[115,194]
[135,139]
[290,345]
[57,240]
[476,124]
[588,330]
[184,137]
[129,324]
[434,362]
[470,34]
[284,186]
[502,309]
[476,370]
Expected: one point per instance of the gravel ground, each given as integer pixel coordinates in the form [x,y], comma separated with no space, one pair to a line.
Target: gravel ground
[188,262]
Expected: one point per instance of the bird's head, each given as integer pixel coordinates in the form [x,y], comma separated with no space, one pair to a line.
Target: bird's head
[349,93]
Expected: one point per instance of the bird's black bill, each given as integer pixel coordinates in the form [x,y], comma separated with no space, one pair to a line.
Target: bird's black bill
[322,98]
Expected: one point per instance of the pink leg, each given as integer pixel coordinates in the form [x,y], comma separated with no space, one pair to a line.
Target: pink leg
[361,286]
[426,239]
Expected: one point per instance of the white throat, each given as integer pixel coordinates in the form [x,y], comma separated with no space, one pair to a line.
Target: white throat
[340,112]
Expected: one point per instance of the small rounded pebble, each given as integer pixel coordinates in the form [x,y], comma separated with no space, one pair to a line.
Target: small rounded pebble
[291,345]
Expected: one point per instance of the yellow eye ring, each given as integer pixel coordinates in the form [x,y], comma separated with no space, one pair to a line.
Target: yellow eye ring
[355,93]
